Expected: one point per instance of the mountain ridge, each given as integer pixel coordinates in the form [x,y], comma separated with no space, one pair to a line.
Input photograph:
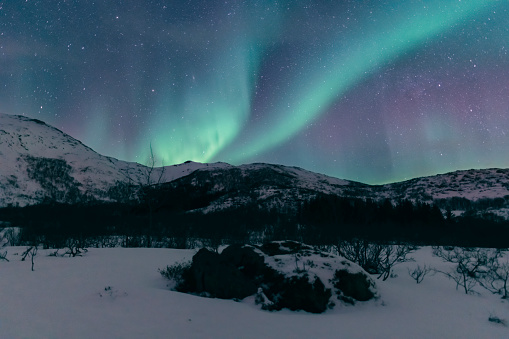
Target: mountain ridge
[39,162]
[26,142]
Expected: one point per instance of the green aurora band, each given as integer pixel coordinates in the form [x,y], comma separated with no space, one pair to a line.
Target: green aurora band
[405,29]
[216,105]
[373,91]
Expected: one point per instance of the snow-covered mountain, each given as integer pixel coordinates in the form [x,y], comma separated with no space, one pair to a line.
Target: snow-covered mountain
[469,184]
[485,190]
[265,186]
[275,186]
[39,162]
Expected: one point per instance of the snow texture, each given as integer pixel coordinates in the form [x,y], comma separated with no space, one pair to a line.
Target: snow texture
[118,293]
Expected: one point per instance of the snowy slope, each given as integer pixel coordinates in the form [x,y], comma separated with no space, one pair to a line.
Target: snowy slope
[264,185]
[24,141]
[469,184]
[285,188]
[118,293]
[489,188]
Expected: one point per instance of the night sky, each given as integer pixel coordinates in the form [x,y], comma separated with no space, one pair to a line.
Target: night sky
[373,91]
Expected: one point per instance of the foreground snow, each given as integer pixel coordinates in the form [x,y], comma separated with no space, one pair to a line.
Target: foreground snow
[118,293]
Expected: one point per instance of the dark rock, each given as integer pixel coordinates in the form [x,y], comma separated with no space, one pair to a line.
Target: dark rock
[250,263]
[218,277]
[354,285]
[298,293]
[240,271]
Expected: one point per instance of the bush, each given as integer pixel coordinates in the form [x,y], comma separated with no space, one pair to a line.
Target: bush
[496,278]
[176,273]
[75,247]
[374,258]
[472,264]
[3,256]
[419,273]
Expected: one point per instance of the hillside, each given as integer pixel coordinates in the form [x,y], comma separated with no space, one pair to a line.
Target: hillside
[39,162]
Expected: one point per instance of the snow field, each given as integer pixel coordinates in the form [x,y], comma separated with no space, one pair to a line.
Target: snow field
[118,293]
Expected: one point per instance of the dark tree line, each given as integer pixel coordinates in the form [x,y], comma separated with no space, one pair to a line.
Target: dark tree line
[332,217]
[322,221]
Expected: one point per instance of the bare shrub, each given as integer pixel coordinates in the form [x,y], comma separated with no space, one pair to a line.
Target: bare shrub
[471,264]
[31,251]
[75,247]
[419,273]
[496,278]
[374,258]
[176,273]
[11,236]
[3,256]
[142,190]
[103,241]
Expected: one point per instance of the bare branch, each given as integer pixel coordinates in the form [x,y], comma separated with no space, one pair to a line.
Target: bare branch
[419,273]
[3,256]
[374,258]
[472,264]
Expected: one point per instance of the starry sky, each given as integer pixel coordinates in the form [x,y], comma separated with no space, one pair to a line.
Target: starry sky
[373,91]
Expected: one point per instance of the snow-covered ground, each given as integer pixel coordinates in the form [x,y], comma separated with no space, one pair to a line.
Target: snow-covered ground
[118,293]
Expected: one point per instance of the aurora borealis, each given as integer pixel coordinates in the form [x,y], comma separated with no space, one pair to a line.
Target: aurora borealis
[373,91]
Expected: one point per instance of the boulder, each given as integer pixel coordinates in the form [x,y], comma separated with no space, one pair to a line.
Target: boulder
[299,293]
[284,274]
[246,259]
[358,286]
[219,278]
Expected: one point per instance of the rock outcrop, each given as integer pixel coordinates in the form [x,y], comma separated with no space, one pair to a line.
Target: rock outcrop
[283,274]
